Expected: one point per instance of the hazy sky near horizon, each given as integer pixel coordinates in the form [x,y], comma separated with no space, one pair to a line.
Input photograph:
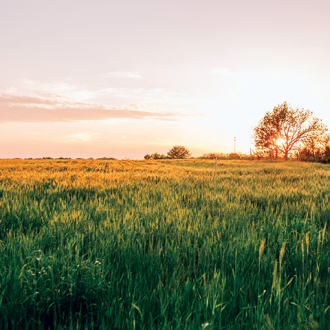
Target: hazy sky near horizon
[126,78]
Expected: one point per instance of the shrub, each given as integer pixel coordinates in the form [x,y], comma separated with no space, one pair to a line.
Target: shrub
[214,155]
[155,155]
[179,152]
[318,155]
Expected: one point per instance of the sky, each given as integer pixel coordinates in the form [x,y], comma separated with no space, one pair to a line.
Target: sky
[126,78]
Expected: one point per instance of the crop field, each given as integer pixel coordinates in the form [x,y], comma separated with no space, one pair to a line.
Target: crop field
[170,244]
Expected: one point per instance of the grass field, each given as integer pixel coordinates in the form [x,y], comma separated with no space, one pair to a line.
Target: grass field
[173,244]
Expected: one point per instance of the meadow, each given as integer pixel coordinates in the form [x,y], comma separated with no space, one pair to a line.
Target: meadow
[167,244]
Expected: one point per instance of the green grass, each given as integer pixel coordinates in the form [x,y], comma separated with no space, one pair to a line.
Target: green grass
[164,245]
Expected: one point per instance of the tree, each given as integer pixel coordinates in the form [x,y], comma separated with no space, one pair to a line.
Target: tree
[179,152]
[316,146]
[285,129]
[314,150]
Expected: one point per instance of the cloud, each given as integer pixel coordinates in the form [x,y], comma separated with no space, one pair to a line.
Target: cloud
[10,89]
[87,93]
[49,108]
[82,137]
[135,75]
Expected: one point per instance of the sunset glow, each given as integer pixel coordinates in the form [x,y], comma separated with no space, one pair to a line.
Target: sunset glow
[164,164]
[280,141]
[125,78]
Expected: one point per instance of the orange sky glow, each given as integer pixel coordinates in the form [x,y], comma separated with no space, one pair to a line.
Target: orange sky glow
[126,78]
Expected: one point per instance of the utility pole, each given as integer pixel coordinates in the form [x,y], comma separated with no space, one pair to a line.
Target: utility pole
[234,145]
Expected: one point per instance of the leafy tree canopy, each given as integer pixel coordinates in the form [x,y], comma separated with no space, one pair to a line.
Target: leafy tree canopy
[285,129]
[179,152]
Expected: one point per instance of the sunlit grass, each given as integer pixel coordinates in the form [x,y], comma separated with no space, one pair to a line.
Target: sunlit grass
[170,244]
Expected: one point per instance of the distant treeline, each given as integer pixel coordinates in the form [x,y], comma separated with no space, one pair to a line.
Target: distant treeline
[321,155]
[233,155]
[102,158]
[211,155]
[307,154]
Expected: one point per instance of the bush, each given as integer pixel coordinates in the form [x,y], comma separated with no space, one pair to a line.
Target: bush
[179,152]
[155,155]
[318,155]
[213,155]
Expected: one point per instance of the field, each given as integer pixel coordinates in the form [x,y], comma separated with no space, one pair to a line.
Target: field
[171,244]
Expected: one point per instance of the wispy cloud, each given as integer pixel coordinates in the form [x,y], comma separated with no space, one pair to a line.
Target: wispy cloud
[82,137]
[134,75]
[48,108]
[86,93]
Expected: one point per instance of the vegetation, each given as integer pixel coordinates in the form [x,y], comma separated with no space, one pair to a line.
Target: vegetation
[106,158]
[286,129]
[155,156]
[179,152]
[215,155]
[172,244]
[312,153]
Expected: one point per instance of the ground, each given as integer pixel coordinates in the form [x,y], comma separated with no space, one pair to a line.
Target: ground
[168,244]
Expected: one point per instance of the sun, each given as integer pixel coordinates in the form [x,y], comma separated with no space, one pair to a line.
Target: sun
[280,141]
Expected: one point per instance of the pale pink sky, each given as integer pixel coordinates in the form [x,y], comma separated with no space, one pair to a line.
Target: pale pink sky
[126,78]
